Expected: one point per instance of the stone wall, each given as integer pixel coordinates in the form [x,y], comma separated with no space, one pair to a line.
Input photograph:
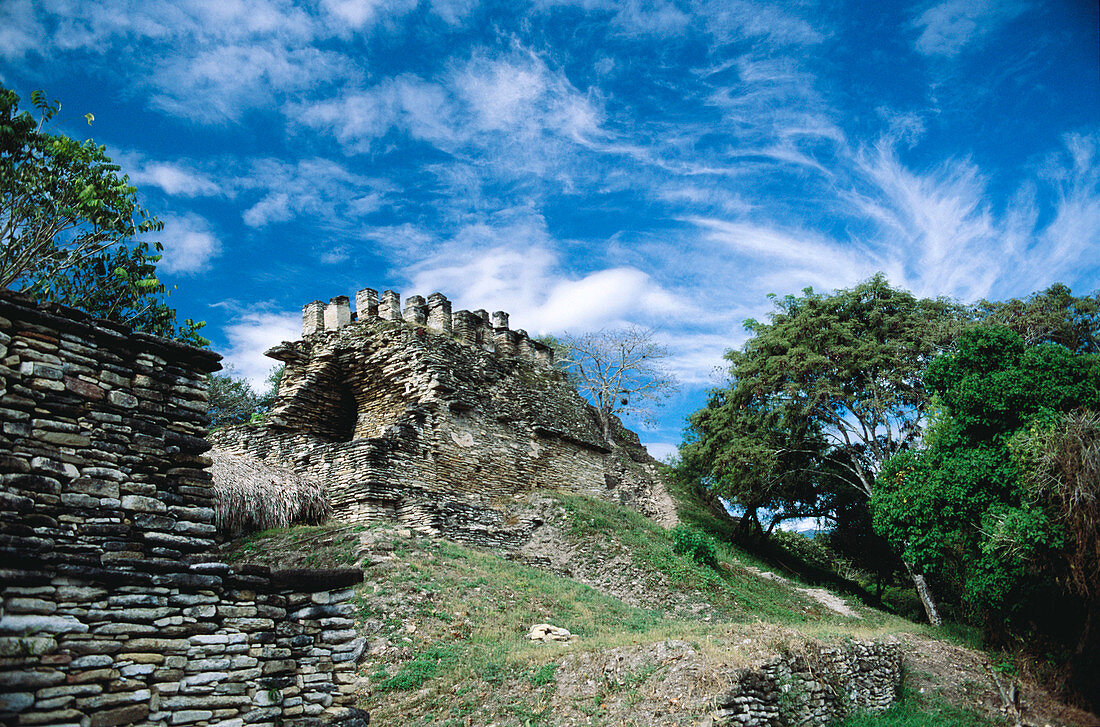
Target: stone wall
[819,687]
[438,420]
[112,610]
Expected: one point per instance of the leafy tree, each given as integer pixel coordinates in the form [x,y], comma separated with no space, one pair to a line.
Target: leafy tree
[1001,501]
[850,363]
[618,370]
[821,395]
[234,401]
[1055,315]
[752,455]
[68,222]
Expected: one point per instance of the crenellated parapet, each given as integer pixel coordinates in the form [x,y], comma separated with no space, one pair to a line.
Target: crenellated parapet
[475,328]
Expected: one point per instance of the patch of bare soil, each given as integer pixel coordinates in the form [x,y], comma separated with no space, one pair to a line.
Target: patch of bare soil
[964,678]
[667,683]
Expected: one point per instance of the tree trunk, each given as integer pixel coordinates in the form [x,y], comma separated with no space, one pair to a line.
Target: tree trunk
[748,528]
[605,427]
[926,597]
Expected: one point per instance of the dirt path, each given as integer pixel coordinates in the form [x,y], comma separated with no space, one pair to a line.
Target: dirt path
[827,599]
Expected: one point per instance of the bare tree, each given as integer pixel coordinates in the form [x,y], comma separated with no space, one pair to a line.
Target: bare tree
[618,370]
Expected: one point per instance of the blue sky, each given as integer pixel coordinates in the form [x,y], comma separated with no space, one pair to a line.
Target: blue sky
[585,164]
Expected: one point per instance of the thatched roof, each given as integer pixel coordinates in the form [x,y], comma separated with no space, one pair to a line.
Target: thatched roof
[252,495]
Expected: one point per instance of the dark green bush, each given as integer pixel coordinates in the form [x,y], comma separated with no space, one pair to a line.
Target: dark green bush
[696,544]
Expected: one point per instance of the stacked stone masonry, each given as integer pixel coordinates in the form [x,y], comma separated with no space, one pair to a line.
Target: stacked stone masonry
[113,612]
[822,686]
[437,420]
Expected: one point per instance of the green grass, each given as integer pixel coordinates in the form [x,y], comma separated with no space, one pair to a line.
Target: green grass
[502,598]
[545,674]
[914,710]
[454,618]
[734,592]
[423,667]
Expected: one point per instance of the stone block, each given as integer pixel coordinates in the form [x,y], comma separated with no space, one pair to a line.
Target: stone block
[313,318]
[337,313]
[129,714]
[139,503]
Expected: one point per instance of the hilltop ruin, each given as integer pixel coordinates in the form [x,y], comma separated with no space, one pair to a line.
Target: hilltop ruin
[439,420]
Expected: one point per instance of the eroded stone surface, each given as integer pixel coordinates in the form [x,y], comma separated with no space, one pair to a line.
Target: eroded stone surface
[437,420]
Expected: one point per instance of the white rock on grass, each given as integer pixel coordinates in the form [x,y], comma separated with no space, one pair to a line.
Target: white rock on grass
[547,632]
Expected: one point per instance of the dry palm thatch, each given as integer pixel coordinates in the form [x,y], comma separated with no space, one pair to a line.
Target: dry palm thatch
[252,495]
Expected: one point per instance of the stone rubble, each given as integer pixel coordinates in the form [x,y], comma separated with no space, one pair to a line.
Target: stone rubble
[548,632]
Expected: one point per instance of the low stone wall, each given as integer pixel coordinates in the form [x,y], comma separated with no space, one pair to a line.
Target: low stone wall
[203,646]
[820,687]
[111,612]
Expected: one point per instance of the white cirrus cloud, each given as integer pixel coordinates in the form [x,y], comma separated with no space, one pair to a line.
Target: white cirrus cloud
[189,244]
[801,257]
[512,110]
[359,14]
[171,178]
[314,186]
[197,86]
[253,332]
[21,28]
[731,20]
[946,28]
[208,62]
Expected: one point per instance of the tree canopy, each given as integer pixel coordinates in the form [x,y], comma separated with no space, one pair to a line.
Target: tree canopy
[234,401]
[1000,502]
[832,377]
[1054,315]
[69,222]
[820,396]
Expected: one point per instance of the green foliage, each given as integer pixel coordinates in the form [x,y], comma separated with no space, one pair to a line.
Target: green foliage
[695,544]
[992,383]
[232,400]
[68,220]
[756,455]
[545,674]
[820,396]
[423,667]
[1054,315]
[971,506]
[813,551]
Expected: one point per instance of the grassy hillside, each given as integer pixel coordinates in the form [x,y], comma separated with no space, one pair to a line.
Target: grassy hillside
[655,631]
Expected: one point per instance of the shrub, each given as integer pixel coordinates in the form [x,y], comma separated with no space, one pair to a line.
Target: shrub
[696,544]
[812,551]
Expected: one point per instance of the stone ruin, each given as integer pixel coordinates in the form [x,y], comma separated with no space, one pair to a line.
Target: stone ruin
[115,609]
[441,420]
